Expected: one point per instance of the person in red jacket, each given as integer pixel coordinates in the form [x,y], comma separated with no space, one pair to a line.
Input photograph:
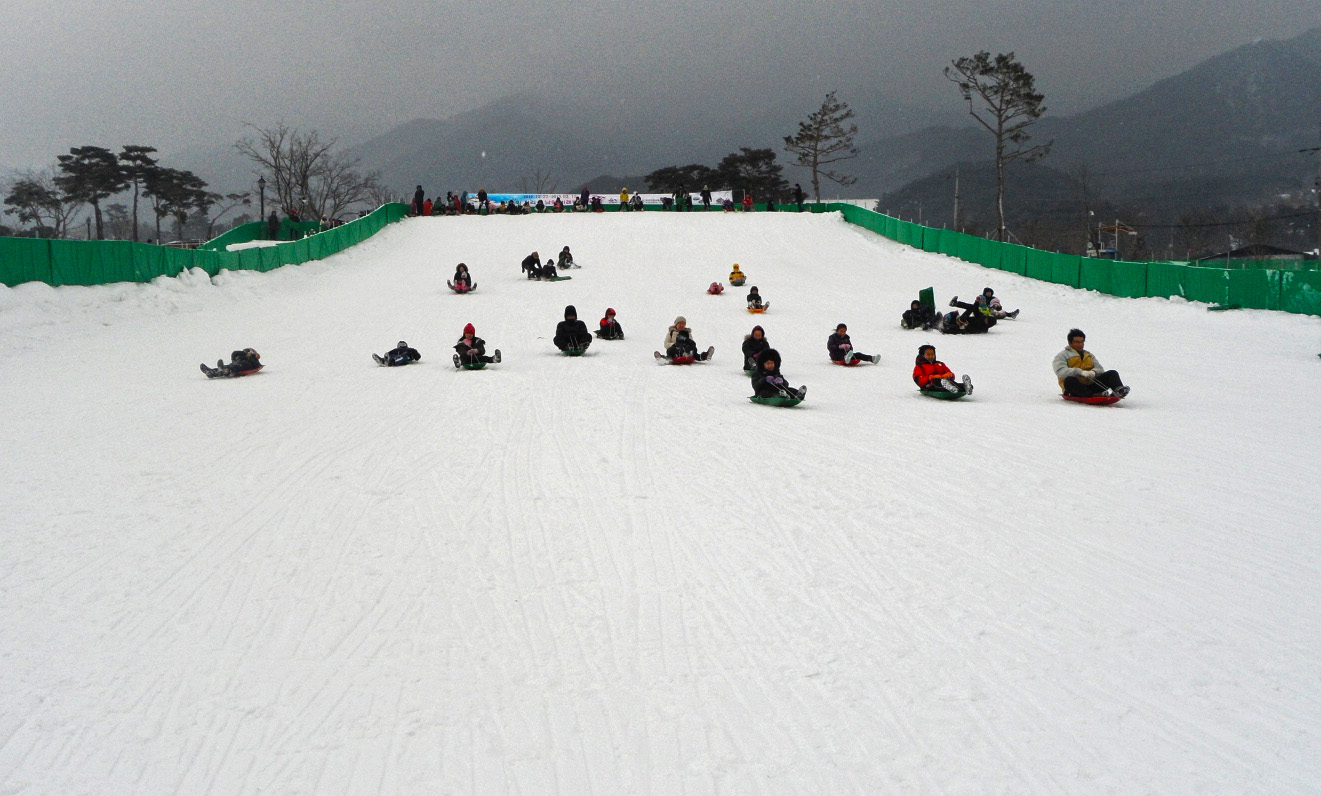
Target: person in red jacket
[932,375]
[747,202]
[610,328]
[427,207]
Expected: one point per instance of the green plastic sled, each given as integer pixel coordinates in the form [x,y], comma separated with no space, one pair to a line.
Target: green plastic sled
[775,401]
[473,365]
[944,395]
[928,297]
[557,279]
[574,352]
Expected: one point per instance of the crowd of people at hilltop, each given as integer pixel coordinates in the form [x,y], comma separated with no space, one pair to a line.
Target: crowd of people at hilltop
[681,200]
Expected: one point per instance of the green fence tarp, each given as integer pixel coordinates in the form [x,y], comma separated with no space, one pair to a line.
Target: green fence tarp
[1114,277]
[1013,258]
[1210,285]
[1255,289]
[1300,292]
[24,260]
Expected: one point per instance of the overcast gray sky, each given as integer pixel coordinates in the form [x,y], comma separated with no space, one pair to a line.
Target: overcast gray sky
[186,73]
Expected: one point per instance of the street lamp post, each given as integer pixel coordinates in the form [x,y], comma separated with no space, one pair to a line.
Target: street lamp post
[261,189]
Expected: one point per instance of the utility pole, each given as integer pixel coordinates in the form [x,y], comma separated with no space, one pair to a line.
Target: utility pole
[956,197]
[1318,203]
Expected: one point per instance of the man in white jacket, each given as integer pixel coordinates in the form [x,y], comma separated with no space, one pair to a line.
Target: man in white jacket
[1081,374]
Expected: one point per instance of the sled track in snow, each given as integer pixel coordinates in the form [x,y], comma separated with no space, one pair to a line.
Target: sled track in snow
[597,575]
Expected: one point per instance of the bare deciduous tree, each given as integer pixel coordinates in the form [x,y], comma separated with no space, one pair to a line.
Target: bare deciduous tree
[1011,105]
[537,182]
[37,200]
[305,172]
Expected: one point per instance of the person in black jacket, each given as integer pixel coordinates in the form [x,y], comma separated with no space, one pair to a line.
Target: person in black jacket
[706,197]
[798,196]
[471,349]
[548,270]
[571,334]
[610,328]
[841,347]
[400,355]
[977,317]
[273,227]
[240,362]
[532,265]
[754,299]
[419,199]
[753,346]
[462,278]
[767,381]
[565,260]
[919,316]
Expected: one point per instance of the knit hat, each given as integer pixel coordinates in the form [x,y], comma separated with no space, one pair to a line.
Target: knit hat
[469,329]
[402,344]
[609,311]
[570,312]
[753,290]
[680,319]
[839,326]
[769,355]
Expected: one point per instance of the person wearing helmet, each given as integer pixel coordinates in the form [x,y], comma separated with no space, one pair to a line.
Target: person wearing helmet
[571,334]
[399,355]
[932,375]
[471,349]
[610,328]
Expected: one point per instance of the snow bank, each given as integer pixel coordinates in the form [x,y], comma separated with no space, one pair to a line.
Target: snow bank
[600,575]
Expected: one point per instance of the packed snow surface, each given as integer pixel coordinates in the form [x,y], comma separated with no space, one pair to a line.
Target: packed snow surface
[604,576]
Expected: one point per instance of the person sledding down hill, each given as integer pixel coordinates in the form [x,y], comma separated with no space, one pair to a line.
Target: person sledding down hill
[841,348]
[977,318]
[737,277]
[754,345]
[1081,375]
[565,259]
[679,343]
[767,381]
[462,282]
[399,355]
[571,334]
[754,300]
[471,349]
[920,316]
[932,375]
[241,363]
[610,328]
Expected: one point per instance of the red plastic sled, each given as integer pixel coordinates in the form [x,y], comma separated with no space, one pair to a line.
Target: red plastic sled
[756,311]
[1095,400]
[683,360]
[847,364]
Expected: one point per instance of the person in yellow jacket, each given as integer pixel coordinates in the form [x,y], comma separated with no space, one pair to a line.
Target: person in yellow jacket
[1081,374]
[623,200]
[737,277]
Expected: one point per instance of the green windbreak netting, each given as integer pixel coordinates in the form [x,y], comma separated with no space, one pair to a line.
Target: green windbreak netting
[1013,258]
[24,260]
[1255,290]
[1165,280]
[1300,291]
[1115,277]
[931,239]
[1210,285]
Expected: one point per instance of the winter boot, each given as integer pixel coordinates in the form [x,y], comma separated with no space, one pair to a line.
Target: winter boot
[967,384]
[709,352]
[875,359]
[379,359]
[1122,390]
[1013,314]
[954,302]
[456,362]
[948,385]
[496,358]
[848,357]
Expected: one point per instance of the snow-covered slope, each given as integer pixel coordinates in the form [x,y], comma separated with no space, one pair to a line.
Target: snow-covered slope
[600,575]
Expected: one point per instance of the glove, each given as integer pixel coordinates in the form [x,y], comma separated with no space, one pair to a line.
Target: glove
[845,346]
[1087,374]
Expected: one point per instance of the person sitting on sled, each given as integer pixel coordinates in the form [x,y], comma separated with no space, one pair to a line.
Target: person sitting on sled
[399,355]
[565,260]
[679,342]
[920,316]
[767,381]
[737,277]
[610,328]
[977,317]
[932,375]
[462,279]
[753,346]
[716,289]
[754,299]
[240,362]
[471,349]
[997,309]
[841,347]
[532,265]
[1081,374]
[571,334]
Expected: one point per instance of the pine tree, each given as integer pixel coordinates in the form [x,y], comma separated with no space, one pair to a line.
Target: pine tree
[91,173]
[1012,104]
[823,139]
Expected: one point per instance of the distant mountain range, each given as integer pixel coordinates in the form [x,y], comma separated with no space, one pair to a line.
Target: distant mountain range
[1225,132]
